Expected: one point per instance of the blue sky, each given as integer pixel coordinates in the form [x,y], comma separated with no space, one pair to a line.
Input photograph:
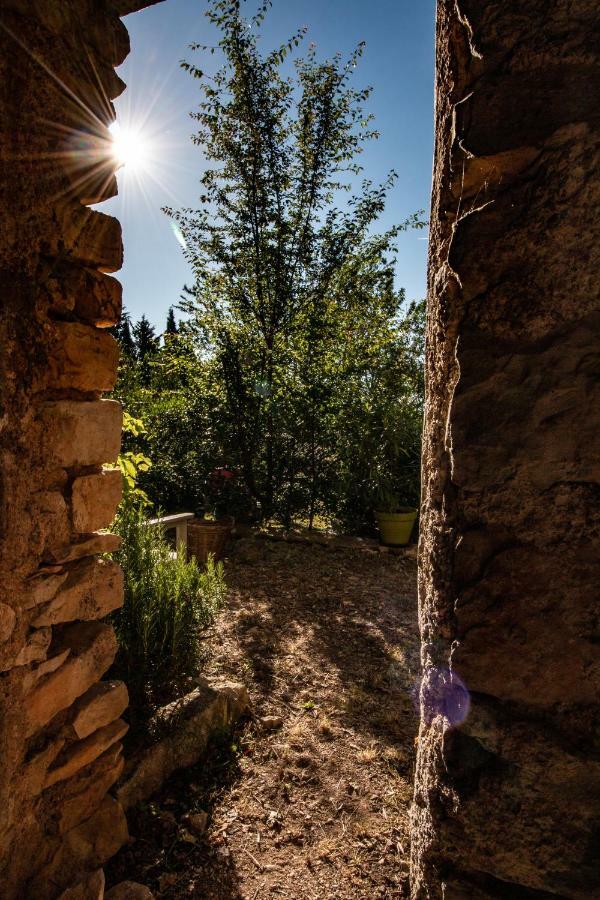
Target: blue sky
[398,62]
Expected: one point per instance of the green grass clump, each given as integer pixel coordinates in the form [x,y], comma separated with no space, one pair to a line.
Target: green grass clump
[168,602]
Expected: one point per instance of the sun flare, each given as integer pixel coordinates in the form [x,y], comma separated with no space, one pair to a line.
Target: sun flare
[129,147]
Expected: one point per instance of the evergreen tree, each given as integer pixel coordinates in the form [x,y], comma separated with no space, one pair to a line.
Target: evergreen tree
[122,332]
[146,347]
[171,323]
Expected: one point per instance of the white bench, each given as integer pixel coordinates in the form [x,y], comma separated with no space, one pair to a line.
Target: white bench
[180,523]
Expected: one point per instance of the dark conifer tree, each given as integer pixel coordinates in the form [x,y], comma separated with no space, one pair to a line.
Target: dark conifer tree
[146,346]
[122,332]
[171,323]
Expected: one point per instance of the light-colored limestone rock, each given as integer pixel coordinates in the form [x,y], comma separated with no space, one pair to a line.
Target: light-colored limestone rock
[45,585]
[102,704]
[82,434]
[83,358]
[93,647]
[52,527]
[44,668]
[7,622]
[82,753]
[209,709]
[91,843]
[90,888]
[129,890]
[82,795]
[98,542]
[36,648]
[98,298]
[94,500]
[94,588]
[34,773]
[92,237]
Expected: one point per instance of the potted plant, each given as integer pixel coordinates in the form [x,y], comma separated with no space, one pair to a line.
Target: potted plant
[395,522]
[210,537]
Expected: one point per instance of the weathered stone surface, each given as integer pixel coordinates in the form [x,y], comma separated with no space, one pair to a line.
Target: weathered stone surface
[82,434]
[36,648]
[82,753]
[90,888]
[129,890]
[509,568]
[92,649]
[7,622]
[89,845]
[50,520]
[94,500]
[83,794]
[56,62]
[44,668]
[99,299]
[83,359]
[91,237]
[90,545]
[45,585]
[207,710]
[93,588]
[103,703]
[36,769]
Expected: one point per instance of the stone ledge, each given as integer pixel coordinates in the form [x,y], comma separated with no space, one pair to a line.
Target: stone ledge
[192,721]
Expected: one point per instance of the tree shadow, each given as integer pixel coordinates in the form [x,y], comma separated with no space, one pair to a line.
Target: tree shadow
[166,854]
[361,614]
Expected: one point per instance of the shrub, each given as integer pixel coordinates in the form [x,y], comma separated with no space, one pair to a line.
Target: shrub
[168,601]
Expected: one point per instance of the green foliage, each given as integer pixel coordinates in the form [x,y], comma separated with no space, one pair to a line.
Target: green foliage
[168,601]
[298,364]
[132,464]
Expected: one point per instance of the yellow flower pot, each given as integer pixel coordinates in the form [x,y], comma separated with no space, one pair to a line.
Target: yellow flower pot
[396,528]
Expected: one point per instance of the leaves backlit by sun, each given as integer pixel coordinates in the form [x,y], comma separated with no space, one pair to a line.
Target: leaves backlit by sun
[130,147]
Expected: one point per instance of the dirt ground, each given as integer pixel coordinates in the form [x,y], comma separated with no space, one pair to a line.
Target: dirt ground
[313,804]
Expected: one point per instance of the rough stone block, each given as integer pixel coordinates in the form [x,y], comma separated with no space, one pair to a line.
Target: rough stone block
[81,434]
[90,888]
[129,890]
[94,500]
[102,835]
[44,586]
[82,753]
[94,587]
[90,844]
[89,546]
[81,796]
[36,647]
[91,237]
[34,773]
[44,668]
[102,704]
[51,525]
[98,299]
[7,622]
[82,358]
[206,711]
[93,647]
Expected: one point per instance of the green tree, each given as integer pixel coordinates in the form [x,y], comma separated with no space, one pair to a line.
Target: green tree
[171,327]
[146,347]
[122,332]
[272,254]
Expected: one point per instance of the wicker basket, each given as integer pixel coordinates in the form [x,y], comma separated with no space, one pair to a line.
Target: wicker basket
[205,537]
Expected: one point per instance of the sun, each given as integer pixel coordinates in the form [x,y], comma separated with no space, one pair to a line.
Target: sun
[129,147]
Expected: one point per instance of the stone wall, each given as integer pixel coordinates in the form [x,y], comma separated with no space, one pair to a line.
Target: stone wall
[60,725]
[507,804]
